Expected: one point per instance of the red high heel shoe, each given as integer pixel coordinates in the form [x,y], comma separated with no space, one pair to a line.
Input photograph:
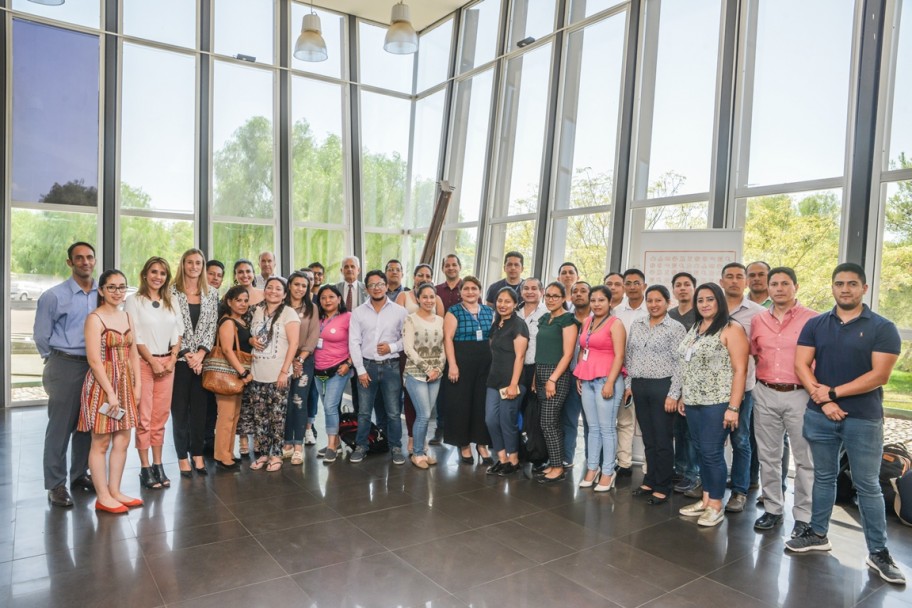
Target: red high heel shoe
[101,507]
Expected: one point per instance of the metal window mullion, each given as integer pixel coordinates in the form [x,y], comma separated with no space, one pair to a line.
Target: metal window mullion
[5,212]
[725,111]
[355,134]
[204,131]
[111,78]
[744,107]
[285,230]
[626,143]
[445,130]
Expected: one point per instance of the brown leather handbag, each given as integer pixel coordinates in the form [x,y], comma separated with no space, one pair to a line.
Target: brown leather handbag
[219,376]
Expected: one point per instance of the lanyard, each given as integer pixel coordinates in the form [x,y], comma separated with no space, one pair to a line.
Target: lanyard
[591,329]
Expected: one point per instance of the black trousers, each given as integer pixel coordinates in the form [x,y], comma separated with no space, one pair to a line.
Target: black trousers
[189,401]
[658,431]
[464,414]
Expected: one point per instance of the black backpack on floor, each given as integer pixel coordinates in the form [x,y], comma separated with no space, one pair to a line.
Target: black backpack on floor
[348,433]
[895,462]
[532,447]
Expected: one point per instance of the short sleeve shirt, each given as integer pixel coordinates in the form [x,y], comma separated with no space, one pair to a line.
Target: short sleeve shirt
[503,354]
[267,363]
[842,353]
[550,340]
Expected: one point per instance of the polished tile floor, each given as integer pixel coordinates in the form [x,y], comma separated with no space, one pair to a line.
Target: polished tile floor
[376,534]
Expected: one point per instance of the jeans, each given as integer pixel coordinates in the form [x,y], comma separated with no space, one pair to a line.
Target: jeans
[298,407]
[741,447]
[602,417]
[384,378]
[330,393]
[502,419]
[863,442]
[705,423]
[570,416]
[424,399]
[687,460]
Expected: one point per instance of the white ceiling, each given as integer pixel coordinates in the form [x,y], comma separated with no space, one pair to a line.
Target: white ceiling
[424,12]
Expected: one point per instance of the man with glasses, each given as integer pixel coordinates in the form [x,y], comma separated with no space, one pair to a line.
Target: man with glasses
[628,312]
[394,284]
[318,273]
[59,335]
[374,343]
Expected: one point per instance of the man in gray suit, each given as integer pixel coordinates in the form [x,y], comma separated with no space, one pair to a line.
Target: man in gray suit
[353,291]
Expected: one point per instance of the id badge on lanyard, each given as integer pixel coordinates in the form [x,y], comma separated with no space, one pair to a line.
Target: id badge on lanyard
[479,335]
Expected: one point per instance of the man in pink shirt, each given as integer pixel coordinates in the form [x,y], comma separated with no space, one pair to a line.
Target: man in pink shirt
[780,401]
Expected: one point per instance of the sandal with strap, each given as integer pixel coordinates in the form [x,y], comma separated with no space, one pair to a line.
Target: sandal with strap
[259,463]
[274,465]
[297,457]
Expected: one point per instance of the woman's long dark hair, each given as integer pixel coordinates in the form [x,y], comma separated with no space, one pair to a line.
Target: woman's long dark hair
[333,289]
[233,293]
[722,317]
[278,311]
[307,304]
[513,296]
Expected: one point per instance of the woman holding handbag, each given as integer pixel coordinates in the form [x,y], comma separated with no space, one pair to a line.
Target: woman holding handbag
[275,331]
[233,335]
[158,328]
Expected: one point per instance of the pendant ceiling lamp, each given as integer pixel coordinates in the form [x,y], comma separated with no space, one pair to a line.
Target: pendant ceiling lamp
[49,2]
[310,45]
[401,38]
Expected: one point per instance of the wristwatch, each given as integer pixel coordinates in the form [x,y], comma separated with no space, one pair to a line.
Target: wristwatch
[832,394]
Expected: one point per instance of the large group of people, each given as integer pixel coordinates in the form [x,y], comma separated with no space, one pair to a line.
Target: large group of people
[737,360]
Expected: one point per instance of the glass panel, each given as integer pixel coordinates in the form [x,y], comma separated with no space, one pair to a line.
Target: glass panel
[800,231]
[333,25]
[531,19]
[169,21]
[317,245]
[583,240]
[478,41]
[462,242]
[522,133]
[434,55]
[471,120]
[677,127]
[379,68]
[234,241]
[157,138]
[379,248]
[414,247]
[895,281]
[384,158]
[428,131]
[81,12]
[689,216]
[515,236]
[898,391]
[242,141]
[244,27]
[317,155]
[590,114]
[580,9]
[38,244]
[54,115]
[801,90]
[901,120]
[148,236]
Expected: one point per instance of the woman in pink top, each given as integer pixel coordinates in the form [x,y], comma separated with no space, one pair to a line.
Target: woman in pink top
[332,365]
[601,386]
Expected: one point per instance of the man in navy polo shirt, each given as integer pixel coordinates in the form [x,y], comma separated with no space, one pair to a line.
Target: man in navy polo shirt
[843,359]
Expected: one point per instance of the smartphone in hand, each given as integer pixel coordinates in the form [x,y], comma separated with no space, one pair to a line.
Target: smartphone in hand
[110,412]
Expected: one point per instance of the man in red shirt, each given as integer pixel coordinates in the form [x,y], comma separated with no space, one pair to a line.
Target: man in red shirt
[780,401]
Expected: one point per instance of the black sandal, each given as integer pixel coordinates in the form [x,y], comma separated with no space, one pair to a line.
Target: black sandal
[148,479]
[160,475]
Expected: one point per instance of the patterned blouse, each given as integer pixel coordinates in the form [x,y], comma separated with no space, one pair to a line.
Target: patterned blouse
[422,341]
[203,335]
[705,369]
[652,352]
[468,324]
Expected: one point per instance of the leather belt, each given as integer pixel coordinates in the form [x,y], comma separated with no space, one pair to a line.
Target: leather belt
[64,355]
[389,361]
[782,388]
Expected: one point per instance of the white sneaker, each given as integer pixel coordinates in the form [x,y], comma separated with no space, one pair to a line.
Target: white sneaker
[309,438]
[711,517]
[693,510]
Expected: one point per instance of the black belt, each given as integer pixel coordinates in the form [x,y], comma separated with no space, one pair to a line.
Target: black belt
[64,355]
[383,361]
[781,388]
[163,355]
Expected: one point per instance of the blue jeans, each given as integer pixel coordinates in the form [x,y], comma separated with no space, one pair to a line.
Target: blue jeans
[502,420]
[863,442]
[570,415]
[601,414]
[687,459]
[705,424]
[330,394]
[298,408]
[384,378]
[741,447]
[424,398]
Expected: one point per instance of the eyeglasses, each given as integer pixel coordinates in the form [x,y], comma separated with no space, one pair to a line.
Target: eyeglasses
[632,283]
[116,288]
[553,296]
[376,285]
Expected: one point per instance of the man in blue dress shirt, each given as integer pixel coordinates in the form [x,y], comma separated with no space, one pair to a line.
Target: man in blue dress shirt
[59,335]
